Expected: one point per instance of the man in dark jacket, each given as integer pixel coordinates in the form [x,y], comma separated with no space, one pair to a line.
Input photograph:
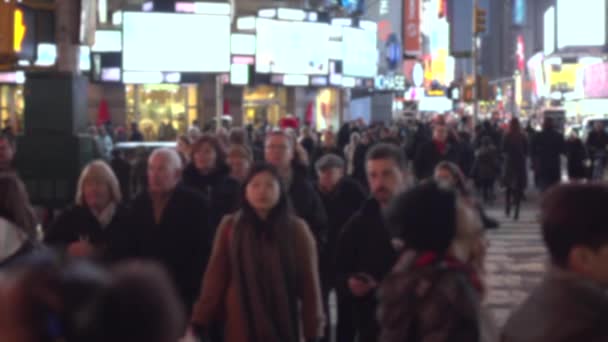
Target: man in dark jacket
[327,146]
[571,303]
[433,152]
[169,225]
[597,144]
[547,148]
[279,152]
[122,170]
[366,252]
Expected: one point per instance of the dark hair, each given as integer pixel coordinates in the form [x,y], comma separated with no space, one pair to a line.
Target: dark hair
[238,136]
[214,142]
[424,217]
[329,161]
[279,217]
[79,301]
[387,151]
[571,215]
[460,182]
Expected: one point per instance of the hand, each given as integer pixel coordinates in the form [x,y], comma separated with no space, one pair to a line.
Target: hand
[360,288]
[80,249]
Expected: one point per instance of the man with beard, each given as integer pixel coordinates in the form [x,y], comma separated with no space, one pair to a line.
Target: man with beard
[366,252]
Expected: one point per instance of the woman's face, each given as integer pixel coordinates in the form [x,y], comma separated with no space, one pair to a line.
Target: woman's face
[263,192]
[239,166]
[205,157]
[96,193]
[444,176]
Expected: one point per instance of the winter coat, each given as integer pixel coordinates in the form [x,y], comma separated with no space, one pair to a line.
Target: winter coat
[14,245]
[564,307]
[515,151]
[359,173]
[181,242]
[308,206]
[340,205]
[79,222]
[576,155]
[466,153]
[548,147]
[220,300]
[486,167]
[434,302]
[308,144]
[221,192]
[428,157]
[364,247]
[597,142]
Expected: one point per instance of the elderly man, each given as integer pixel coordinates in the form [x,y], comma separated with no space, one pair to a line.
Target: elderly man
[7,153]
[169,224]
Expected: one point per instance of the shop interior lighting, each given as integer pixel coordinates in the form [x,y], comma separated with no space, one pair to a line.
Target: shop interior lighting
[291,14]
[349,82]
[296,80]
[23,62]
[173,77]
[142,77]
[117,18]
[270,13]
[147,6]
[313,16]
[368,25]
[246,24]
[215,8]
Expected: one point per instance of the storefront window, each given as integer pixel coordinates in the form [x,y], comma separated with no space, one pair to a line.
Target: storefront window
[12,105]
[264,104]
[327,109]
[163,111]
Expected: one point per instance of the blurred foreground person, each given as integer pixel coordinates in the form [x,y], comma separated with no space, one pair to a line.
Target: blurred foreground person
[134,302]
[168,224]
[571,304]
[435,290]
[93,226]
[365,252]
[17,222]
[7,153]
[262,280]
[449,174]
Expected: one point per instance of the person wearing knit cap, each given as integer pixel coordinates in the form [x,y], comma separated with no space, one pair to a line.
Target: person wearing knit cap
[436,287]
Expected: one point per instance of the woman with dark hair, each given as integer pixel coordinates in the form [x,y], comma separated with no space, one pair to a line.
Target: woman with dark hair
[515,150]
[262,280]
[17,220]
[435,290]
[209,174]
[450,175]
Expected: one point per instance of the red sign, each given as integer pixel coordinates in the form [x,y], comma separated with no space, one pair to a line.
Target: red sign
[596,81]
[411,28]
[520,53]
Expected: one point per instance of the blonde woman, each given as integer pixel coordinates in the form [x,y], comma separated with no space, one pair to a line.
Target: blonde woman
[93,225]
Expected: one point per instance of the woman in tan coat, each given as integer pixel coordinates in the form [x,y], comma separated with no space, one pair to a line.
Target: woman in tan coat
[262,281]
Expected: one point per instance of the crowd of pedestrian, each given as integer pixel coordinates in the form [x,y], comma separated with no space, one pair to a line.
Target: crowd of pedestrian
[243,235]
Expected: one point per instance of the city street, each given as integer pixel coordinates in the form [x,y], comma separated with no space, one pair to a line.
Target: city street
[515,262]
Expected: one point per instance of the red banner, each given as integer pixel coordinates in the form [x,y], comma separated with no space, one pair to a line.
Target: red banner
[412,45]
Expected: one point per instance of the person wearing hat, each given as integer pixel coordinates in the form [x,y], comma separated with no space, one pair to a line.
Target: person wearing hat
[365,252]
[342,196]
[435,290]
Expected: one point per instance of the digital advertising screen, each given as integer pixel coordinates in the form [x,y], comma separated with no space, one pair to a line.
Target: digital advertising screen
[289,47]
[581,25]
[107,41]
[183,43]
[360,58]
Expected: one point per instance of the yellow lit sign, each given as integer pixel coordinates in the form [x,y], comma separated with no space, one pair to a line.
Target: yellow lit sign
[19,30]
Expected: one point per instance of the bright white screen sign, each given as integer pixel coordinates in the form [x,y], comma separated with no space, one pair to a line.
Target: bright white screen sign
[107,41]
[286,47]
[581,25]
[360,52]
[183,43]
[549,31]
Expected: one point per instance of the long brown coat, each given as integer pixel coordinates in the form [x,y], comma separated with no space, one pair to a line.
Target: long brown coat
[220,301]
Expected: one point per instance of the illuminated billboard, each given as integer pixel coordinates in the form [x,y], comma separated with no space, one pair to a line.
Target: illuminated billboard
[581,25]
[360,53]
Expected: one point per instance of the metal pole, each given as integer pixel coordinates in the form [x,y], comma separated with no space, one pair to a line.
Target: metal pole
[219,101]
[474,56]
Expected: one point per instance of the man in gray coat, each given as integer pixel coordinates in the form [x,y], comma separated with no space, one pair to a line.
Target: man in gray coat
[571,304]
